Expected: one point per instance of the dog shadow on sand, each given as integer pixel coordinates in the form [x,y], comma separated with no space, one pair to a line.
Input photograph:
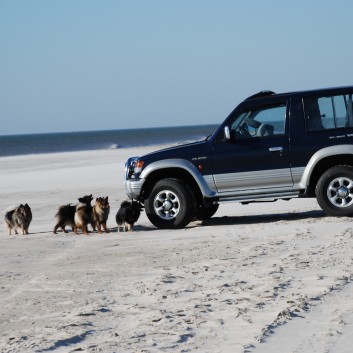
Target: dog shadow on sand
[113,230]
[216,221]
[263,218]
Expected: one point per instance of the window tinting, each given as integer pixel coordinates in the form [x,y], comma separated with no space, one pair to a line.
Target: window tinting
[331,112]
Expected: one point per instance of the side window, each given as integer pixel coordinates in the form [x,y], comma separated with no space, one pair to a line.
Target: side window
[260,122]
[331,112]
[326,112]
[341,112]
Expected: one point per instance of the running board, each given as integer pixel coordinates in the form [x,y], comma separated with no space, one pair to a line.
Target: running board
[260,198]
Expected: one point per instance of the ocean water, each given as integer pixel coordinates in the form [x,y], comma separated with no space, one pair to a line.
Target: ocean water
[15,145]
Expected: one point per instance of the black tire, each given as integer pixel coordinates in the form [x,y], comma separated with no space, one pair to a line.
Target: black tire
[170,204]
[334,191]
[204,213]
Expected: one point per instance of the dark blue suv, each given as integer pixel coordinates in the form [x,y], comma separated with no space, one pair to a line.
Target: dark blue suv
[271,146]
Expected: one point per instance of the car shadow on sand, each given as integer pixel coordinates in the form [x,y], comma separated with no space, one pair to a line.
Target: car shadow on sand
[263,218]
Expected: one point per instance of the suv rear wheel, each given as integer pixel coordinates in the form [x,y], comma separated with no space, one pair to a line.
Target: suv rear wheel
[334,191]
[170,204]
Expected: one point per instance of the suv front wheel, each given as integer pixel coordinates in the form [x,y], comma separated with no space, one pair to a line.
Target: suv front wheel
[334,191]
[170,204]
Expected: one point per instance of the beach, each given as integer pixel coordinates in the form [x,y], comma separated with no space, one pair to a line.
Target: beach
[265,277]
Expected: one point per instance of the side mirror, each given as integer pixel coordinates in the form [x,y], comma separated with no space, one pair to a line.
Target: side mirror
[227,133]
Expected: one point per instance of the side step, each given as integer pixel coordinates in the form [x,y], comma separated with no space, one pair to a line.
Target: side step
[260,198]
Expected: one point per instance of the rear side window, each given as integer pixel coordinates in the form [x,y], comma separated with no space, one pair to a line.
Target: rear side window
[329,112]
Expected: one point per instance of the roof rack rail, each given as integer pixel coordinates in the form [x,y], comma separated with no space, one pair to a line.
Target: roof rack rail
[261,94]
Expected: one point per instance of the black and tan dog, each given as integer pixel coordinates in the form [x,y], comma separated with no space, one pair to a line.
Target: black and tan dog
[66,215]
[128,214]
[101,211]
[18,219]
[84,214]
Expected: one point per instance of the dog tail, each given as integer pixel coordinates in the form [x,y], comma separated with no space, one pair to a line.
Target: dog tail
[10,208]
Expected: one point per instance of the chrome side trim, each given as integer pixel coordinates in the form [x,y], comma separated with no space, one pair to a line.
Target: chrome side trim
[319,155]
[276,149]
[255,193]
[205,182]
[297,175]
[253,180]
[210,182]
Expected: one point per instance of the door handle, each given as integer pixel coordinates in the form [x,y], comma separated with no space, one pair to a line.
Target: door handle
[275,149]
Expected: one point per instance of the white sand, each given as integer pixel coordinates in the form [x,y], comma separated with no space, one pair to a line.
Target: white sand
[270,277]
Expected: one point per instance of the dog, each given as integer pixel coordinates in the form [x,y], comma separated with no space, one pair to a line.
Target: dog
[101,211]
[128,214]
[18,218]
[66,215]
[84,214]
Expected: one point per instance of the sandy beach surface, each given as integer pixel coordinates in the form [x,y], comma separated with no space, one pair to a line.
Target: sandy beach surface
[269,277]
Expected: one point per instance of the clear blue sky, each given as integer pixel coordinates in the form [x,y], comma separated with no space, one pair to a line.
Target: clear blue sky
[74,65]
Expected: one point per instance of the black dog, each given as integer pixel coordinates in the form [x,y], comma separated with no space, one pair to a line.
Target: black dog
[65,217]
[128,214]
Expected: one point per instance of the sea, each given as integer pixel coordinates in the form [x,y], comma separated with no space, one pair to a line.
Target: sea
[16,145]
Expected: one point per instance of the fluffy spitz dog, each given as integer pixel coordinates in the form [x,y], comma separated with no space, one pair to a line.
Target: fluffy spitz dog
[84,214]
[128,214]
[66,215]
[101,211]
[18,219]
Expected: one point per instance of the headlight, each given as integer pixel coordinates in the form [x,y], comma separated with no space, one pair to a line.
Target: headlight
[132,167]
[138,166]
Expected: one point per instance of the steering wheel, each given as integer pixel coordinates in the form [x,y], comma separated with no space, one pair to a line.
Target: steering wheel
[243,130]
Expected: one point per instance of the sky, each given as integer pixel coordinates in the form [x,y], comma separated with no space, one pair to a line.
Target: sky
[83,65]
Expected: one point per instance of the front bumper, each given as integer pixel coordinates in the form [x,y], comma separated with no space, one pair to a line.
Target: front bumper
[133,188]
